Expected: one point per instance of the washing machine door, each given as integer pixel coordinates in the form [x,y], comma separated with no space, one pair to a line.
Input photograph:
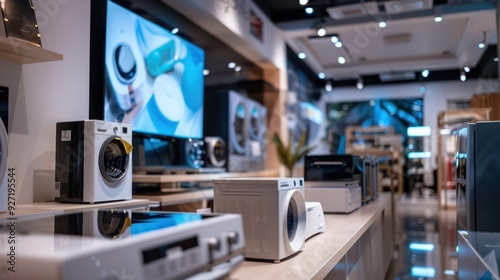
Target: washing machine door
[114,159]
[295,221]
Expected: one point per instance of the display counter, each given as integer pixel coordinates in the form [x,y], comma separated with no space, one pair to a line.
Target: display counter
[478,255]
[359,245]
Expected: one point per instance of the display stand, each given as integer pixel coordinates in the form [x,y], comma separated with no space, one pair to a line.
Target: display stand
[24,53]
[448,121]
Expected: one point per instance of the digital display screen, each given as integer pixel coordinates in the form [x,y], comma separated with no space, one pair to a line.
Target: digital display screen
[154,79]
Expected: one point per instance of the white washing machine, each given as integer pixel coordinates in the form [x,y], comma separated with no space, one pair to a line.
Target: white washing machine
[93,161]
[273,210]
[256,122]
[3,167]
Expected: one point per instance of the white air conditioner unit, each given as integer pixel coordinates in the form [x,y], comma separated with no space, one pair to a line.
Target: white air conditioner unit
[353,11]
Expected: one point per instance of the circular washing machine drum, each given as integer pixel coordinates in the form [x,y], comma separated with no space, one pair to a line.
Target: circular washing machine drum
[295,221]
[238,135]
[114,159]
[112,224]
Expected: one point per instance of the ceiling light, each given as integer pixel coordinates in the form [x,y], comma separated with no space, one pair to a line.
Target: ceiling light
[382,24]
[237,68]
[231,65]
[338,44]
[175,30]
[466,69]
[425,73]
[341,59]
[438,17]
[309,10]
[206,72]
[303,2]
[302,55]
[321,31]
[334,39]
[328,86]
[495,59]
[321,75]
[483,42]
[462,76]
[360,83]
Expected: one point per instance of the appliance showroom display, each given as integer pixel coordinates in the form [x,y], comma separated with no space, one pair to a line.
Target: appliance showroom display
[257,127]
[315,219]
[125,244]
[215,151]
[93,161]
[231,118]
[274,213]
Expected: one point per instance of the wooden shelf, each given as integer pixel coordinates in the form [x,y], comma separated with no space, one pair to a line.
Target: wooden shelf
[17,51]
[176,196]
[179,178]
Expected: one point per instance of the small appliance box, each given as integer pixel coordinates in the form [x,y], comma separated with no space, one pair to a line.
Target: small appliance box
[339,198]
[315,219]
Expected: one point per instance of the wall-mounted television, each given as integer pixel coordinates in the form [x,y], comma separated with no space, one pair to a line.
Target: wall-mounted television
[143,74]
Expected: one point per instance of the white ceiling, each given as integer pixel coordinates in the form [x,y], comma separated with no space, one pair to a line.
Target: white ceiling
[410,44]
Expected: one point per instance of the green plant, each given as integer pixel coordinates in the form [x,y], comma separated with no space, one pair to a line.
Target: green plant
[289,154]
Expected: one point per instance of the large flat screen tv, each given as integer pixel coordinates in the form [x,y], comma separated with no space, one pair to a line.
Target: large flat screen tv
[143,74]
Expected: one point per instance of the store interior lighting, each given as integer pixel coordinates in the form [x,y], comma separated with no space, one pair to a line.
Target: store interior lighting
[303,2]
[334,38]
[175,30]
[309,10]
[302,55]
[466,69]
[425,73]
[463,77]
[328,86]
[437,15]
[483,42]
[321,31]
[341,60]
[360,84]
[338,44]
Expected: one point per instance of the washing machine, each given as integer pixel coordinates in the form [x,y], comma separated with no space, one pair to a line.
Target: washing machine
[227,118]
[93,161]
[256,123]
[3,167]
[273,210]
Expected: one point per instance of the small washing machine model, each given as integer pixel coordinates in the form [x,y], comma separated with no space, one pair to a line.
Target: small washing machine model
[93,161]
[273,210]
[3,167]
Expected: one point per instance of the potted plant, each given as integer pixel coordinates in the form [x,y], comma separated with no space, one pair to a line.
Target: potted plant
[290,154]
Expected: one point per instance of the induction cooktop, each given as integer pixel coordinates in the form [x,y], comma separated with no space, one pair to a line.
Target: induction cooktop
[121,244]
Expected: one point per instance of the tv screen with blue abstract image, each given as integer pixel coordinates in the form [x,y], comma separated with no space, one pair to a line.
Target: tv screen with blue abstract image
[154,78]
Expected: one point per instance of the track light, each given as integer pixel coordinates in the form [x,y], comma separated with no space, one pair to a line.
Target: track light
[321,75]
[334,39]
[338,44]
[328,86]
[341,60]
[302,55]
[360,83]
[382,24]
[466,69]
[175,30]
[483,42]
[425,73]
[309,10]
[462,76]
[438,17]
[303,2]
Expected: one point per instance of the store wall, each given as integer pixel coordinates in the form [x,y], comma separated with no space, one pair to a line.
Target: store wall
[42,94]
[436,96]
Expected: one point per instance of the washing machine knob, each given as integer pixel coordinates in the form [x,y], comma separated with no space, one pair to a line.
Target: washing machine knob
[213,243]
[232,237]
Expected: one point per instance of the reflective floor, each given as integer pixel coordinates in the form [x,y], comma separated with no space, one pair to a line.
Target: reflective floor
[426,240]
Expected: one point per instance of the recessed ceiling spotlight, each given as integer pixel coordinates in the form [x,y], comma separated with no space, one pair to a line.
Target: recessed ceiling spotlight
[425,73]
[438,19]
[231,65]
[303,2]
[321,32]
[338,44]
[462,76]
[321,75]
[382,24]
[237,68]
[206,72]
[495,59]
[334,39]
[301,55]
[175,30]
[341,59]
[466,69]
[309,10]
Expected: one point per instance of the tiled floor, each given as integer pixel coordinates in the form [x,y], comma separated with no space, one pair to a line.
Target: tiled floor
[426,240]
